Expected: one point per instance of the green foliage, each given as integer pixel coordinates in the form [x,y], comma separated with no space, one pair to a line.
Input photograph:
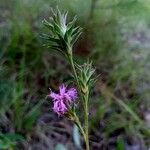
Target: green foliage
[85,75]
[26,110]
[120,144]
[6,100]
[8,140]
[62,35]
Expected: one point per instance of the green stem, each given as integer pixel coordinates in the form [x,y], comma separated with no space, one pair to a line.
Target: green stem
[85,104]
[86,121]
[78,123]
[85,132]
[74,70]
[75,74]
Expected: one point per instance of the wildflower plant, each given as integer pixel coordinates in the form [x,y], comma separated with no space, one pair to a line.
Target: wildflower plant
[63,100]
[62,37]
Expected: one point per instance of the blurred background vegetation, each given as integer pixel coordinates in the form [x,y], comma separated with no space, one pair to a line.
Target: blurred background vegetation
[116,36]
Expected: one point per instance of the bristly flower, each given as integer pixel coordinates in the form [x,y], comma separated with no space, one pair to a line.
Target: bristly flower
[85,75]
[62,35]
[63,100]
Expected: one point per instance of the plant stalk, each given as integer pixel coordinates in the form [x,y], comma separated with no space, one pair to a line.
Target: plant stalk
[74,70]
[85,104]
[78,123]
[86,121]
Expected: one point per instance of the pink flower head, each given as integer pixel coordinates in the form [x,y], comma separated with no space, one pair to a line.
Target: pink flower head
[59,107]
[63,99]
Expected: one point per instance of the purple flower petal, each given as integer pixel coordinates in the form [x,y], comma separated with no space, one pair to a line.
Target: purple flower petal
[62,89]
[59,107]
[54,96]
[72,93]
[63,99]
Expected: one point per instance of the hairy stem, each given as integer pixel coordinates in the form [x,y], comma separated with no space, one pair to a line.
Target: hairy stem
[85,105]
[86,121]
[78,123]
[74,70]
